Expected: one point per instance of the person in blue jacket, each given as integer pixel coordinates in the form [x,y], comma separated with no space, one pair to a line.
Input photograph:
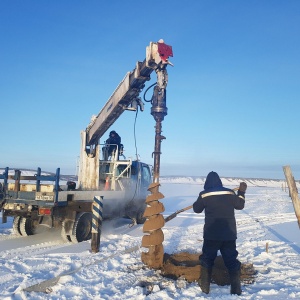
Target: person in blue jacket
[113,143]
[219,231]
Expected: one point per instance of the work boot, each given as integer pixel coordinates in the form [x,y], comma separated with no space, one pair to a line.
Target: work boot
[205,278]
[235,282]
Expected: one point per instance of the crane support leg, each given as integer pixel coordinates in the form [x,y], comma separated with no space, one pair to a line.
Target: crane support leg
[88,175]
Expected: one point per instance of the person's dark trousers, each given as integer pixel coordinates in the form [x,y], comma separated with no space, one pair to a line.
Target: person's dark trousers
[229,253]
[228,250]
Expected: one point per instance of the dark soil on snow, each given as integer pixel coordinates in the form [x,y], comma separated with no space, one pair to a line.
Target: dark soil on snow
[186,265]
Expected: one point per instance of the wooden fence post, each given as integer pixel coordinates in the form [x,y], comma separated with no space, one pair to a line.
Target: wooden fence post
[97,223]
[293,191]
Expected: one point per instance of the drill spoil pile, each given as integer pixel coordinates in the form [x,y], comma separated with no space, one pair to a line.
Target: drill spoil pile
[186,265]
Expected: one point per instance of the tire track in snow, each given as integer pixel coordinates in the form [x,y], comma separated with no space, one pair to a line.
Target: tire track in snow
[16,258]
[17,245]
[42,259]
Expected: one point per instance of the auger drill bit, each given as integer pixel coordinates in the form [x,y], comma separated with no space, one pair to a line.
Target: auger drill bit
[152,227]
[154,219]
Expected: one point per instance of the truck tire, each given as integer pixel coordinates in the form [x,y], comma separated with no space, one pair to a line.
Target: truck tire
[16,226]
[28,226]
[82,230]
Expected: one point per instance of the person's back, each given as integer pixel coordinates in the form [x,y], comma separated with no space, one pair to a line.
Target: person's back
[220,231]
[113,142]
[219,204]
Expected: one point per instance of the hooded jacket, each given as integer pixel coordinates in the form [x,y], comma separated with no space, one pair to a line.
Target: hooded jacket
[218,204]
[113,140]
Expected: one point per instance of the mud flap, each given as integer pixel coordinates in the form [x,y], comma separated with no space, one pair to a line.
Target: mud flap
[68,226]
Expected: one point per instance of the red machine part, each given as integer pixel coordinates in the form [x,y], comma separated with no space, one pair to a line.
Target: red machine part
[165,51]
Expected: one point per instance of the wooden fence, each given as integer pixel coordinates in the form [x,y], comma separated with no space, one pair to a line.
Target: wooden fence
[293,191]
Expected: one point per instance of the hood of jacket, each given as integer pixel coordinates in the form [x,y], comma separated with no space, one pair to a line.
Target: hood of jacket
[212,181]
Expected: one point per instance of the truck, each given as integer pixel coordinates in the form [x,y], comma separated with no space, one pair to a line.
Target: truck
[41,199]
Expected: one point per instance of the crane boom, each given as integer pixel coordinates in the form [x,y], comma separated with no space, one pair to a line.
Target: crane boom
[127,91]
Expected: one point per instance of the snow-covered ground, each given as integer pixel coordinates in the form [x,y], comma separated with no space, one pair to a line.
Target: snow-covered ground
[268,237]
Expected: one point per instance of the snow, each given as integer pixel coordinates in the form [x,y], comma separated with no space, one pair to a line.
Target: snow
[268,237]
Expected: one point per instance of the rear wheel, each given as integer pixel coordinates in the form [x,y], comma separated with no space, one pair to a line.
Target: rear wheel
[28,226]
[82,230]
[16,226]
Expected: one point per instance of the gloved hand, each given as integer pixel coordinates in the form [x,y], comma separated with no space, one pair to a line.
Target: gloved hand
[242,189]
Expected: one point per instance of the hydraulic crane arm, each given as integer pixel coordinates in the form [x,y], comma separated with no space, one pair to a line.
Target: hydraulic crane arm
[122,98]
[126,95]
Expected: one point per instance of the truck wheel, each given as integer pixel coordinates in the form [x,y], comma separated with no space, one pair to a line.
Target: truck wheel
[16,226]
[28,226]
[82,230]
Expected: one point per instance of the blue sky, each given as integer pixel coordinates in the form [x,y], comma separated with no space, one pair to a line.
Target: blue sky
[232,96]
